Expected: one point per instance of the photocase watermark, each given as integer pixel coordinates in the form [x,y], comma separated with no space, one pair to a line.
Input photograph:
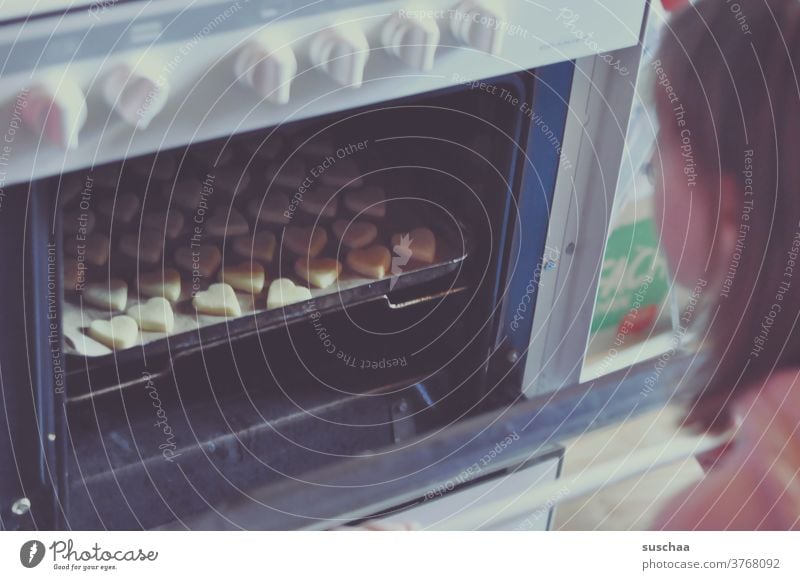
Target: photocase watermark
[507,96]
[97,9]
[739,15]
[569,18]
[744,226]
[318,170]
[458,15]
[473,471]
[678,335]
[346,358]
[10,135]
[402,253]
[549,262]
[168,447]
[84,205]
[53,321]
[196,239]
[792,254]
[542,511]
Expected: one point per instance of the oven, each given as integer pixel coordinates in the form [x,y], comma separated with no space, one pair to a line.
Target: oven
[283,265]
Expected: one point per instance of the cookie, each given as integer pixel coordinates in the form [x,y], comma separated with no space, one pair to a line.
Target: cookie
[146,249]
[320,202]
[419,244]
[167,224]
[247,277]
[344,173]
[273,209]
[283,292]
[166,284]
[227,222]
[93,250]
[319,272]
[118,333]
[305,241]
[260,247]
[369,201]
[187,194]
[354,234]
[110,295]
[120,208]
[230,180]
[372,262]
[202,260]
[155,315]
[218,300]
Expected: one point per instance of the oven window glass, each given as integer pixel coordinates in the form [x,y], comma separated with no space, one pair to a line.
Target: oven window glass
[637,309]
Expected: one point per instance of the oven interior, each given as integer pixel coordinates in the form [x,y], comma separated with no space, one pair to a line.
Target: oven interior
[171,426]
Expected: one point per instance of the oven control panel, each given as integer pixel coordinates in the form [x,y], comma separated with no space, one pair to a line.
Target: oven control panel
[86,85]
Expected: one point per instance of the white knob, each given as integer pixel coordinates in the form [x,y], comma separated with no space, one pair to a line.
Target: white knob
[137,90]
[56,108]
[412,39]
[266,67]
[341,52]
[477,26]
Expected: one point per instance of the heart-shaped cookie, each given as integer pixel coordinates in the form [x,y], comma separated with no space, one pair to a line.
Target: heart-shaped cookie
[283,292]
[319,272]
[201,260]
[120,208]
[274,209]
[155,315]
[118,333]
[187,193]
[111,295]
[218,300]
[370,201]
[227,223]
[289,175]
[93,249]
[146,248]
[372,262]
[167,224]
[345,173]
[166,284]
[321,201]
[260,247]
[354,234]
[78,221]
[247,277]
[305,241]
[419,245]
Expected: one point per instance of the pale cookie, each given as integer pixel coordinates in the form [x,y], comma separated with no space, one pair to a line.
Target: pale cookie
[273,210]
[305,241]
[166,284]
[228,223]
[290,174]
[354,234]
[119,208]
[320,201]
[118,333]
[345,173]
[370,201]
[111,295]
[168,224]
[248,277]
[231,180]
[372,262]
[283,292]
[260,247]
[218,300]
[419,245]
[203,260]
[146,249]
[93,250]
[319,272]
[188,193]
[78,221]
[155,315]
